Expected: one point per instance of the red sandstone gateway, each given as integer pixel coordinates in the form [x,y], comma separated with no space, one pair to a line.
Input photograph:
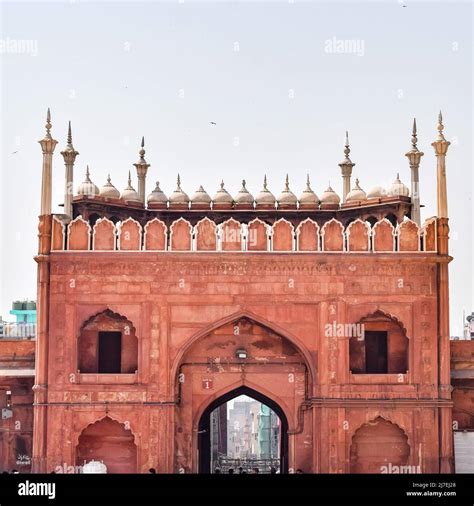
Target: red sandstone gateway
[152,314]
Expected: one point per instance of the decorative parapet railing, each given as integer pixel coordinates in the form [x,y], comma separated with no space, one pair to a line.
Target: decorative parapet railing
[234,236]
[17,330]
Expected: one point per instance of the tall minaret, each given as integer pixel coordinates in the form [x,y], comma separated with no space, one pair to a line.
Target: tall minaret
[446,461]
[40,388]
[441,148]
[69,155]
[47,145]
[346,170]
[142,169]
[414,157]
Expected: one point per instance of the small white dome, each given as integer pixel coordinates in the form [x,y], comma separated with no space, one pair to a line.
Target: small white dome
[244,197]
[109,191]
[308,197]
[157,196]
[87,187]
[398,188]
[129,194]
[376,192]
[179,196]
[265,197]
[329,196]
[357,193]
[200,197]
[222,196]
[287,197]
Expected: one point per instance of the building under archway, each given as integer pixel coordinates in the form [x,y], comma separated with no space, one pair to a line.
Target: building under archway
[255,438]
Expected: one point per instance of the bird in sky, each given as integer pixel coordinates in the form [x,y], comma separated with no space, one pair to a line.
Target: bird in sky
[212,122]
[14,152]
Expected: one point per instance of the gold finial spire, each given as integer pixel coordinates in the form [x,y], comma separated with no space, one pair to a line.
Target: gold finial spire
[265,182]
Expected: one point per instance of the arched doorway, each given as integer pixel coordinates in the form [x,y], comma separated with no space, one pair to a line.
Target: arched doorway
[204,428]
[110,442]
[379,447]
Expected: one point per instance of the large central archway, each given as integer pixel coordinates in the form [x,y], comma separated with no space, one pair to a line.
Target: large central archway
[241,355]
[204,430]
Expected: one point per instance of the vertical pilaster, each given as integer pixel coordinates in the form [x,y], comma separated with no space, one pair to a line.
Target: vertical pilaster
[40,388]
[440,146]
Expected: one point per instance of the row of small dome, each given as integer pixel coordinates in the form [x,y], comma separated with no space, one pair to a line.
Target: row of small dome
[243,197]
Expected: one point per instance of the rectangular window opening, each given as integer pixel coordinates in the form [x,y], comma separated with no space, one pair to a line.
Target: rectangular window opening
[376,352]
[110,352]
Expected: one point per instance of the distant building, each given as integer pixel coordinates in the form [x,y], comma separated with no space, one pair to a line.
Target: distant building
[25,324]
[469,327]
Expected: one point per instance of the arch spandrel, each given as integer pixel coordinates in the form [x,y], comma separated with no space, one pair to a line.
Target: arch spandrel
[276,329]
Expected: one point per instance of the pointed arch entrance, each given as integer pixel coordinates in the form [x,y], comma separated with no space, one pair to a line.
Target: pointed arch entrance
[241,355]
[204,428]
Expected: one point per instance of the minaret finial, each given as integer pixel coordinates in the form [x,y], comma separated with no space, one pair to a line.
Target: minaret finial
[308,183]
[244,183]
[440,127]
[48,124]
[129,179]
[287,183]
[347,149]
[69,135]
[414,138]
[222,184]
[142,160]
[87,172]
[108,178]
[178,182]
[265,182]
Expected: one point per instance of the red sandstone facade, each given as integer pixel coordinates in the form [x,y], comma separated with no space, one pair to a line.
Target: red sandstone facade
[184,295]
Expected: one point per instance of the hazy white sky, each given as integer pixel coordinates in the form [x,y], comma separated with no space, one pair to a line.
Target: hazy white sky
[269,75]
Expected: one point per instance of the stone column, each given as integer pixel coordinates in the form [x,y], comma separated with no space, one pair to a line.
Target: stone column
[41,359]
[414,157]
[142,169]
[69,155]
[440,146]
[346,170]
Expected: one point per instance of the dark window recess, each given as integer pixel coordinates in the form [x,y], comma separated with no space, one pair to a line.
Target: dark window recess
[110,352]
[376,352]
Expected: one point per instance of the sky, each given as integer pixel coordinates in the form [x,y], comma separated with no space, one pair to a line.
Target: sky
[283,81]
